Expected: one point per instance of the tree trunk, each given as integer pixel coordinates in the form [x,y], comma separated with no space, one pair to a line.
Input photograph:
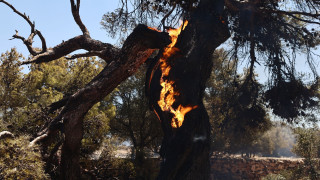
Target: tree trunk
[185,151]
[70,168]
[135,51]
[139,162]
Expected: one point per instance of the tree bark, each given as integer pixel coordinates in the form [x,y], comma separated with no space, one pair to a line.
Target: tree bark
[137,48]
[185,151]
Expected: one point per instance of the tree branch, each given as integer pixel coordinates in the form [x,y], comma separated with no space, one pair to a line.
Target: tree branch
[20,14]
[79,42]
[291,13]
[135,51]
[163,20]
[75,13]
[96,48]
[253,6]
[28,42]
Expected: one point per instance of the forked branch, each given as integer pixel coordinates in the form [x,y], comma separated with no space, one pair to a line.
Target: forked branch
[94,47]
[107,51]
[28,42]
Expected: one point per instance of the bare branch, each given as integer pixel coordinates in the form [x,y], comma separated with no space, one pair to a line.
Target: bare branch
[75,12]
[79,42]
[167,15]
[43,40]
[95,47]
[28,42]
[291,13]
[20,14]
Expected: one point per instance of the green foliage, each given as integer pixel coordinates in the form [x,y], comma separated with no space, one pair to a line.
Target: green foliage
[292,99]
[123,19]
[104,164]
[308,147]
[308,142]
[20,161]
[135,122]
[262,32]
[236,110]
[300,173]
[274,177]
[25,98]
[11,82]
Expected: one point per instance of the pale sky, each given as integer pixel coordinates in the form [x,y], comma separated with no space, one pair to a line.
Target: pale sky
[53,19]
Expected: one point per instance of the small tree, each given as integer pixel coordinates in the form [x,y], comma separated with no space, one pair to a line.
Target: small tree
[308,145]
[135,122]
[11,82]
[236,109]
[26,99]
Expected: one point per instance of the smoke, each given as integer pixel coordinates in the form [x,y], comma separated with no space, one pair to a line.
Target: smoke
[282,139]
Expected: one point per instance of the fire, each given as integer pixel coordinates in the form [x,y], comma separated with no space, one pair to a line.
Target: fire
[155,29]
[168,93]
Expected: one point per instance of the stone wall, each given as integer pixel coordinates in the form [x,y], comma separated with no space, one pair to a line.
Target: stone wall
[236,168]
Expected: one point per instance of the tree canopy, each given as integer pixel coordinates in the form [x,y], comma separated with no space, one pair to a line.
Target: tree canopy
[269,32]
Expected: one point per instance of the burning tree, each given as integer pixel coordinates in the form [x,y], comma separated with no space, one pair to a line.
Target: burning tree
[264,31]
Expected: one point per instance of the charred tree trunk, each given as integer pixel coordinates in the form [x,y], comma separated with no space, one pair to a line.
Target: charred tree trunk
[185,150]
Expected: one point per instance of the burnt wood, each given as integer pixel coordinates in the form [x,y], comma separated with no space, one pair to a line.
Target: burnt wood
[185,151]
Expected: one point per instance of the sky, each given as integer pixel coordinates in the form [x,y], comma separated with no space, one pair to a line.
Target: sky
[54,20]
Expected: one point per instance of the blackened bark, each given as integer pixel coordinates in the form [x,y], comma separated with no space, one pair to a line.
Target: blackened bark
[185,151]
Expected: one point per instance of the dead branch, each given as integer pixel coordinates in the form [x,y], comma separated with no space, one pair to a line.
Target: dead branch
[94,47]
[75,12]
[79,42]
[28,42]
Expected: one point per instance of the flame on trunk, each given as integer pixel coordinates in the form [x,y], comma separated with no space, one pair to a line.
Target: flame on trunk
[168,93]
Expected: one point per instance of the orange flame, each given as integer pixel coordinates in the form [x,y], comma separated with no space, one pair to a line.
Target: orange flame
[168,93]
[155,29]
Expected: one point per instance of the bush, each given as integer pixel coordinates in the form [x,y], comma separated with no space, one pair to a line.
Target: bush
[274,177]
[307,146]
[20,161]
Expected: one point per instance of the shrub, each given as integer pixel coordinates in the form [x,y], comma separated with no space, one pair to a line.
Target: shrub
[20,161]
